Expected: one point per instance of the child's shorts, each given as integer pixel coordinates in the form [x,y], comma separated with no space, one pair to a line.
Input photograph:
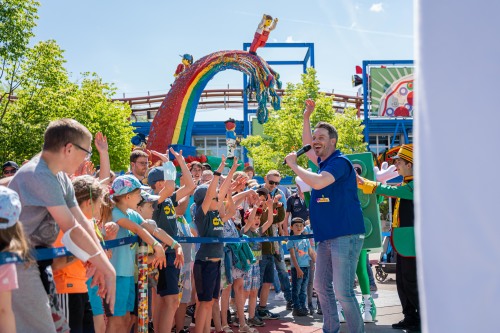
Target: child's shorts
[168,279]
[207,279]
[95,300]
[252,278]
[185,286]
[125,297]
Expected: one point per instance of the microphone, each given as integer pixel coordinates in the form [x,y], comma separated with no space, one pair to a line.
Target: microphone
[301,151]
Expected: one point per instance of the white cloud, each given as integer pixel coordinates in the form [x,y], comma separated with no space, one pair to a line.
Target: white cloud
[290,39]
[376,7]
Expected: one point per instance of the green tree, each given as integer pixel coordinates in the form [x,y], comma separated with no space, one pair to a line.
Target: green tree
[283,131]
[35,89]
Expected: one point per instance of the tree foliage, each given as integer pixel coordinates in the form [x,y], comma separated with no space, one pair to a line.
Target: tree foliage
[283,131]
[36,88]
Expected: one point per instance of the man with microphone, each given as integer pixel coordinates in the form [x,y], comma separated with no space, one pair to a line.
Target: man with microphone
[337,221]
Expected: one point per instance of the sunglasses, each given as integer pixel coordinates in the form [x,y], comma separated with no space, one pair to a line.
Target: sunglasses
[9,172]
[273,183]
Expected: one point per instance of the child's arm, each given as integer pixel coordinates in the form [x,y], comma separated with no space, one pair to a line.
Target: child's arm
[312,254]
[189,184]
[227,182]
[238,198]
[270,217]
[160,260]
[167,240]
[229,209]
[295,263]
[251,219]
[6,314]
[212,188]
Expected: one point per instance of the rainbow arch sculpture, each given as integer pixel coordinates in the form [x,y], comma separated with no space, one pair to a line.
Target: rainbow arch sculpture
[173,123]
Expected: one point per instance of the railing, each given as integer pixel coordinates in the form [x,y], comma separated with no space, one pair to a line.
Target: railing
[222,99]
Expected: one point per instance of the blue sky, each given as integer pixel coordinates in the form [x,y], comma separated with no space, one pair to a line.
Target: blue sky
[136,44]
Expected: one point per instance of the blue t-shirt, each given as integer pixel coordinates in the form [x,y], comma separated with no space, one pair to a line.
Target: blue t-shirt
[335,210]
[301,248]
[123,258]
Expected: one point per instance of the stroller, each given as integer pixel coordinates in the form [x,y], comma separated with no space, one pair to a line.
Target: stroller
[387,262]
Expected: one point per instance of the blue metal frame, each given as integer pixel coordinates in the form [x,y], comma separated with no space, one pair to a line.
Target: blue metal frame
[404,123]
[308,58]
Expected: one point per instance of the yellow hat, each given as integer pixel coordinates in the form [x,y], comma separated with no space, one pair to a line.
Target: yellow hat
[405,153]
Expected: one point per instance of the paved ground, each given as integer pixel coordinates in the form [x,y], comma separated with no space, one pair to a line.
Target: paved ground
[386,300]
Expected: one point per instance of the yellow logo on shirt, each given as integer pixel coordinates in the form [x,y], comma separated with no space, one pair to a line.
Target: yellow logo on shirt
[216,221]
[322,199]
[169,210]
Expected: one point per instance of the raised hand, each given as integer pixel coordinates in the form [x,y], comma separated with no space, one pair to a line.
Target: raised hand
[101,143]
[222,164]
[163,157]
[310,105]
[178,155]
[385,173]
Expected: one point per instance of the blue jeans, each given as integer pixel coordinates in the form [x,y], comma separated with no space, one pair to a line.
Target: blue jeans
[284,278]
[277,284]
[299,288]
[336,263]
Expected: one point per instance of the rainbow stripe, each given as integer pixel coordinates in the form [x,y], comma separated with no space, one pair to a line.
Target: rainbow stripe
[174,121]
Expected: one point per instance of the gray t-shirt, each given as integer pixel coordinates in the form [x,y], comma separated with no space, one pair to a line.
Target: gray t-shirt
[209,225]
[39,188]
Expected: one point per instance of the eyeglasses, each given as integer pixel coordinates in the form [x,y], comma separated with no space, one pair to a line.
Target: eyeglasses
[141,163]
[89,153]
[273,183]
[9,171]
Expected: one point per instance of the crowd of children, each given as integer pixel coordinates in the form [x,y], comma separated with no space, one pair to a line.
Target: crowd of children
[204,278]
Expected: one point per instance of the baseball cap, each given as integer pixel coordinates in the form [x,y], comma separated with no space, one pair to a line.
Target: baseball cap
[262,191]
[296,220]
[248,212]
[10,207]
[155,175]
[148,197]
[199,194]
[11,164]
[124,184]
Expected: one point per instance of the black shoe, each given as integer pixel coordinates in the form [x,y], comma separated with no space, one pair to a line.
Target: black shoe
[406,324]
[289,305]
[319,311]
[300,312]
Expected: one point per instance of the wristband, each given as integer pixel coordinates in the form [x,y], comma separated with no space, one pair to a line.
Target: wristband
[217,173]
[174,243]
[156,243]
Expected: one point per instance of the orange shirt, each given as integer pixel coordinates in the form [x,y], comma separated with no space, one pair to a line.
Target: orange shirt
[70,279]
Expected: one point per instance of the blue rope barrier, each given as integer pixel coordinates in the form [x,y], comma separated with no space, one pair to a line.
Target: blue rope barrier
[57,252]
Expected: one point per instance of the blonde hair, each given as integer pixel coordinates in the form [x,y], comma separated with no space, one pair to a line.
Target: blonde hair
[274,173]
[86,187]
